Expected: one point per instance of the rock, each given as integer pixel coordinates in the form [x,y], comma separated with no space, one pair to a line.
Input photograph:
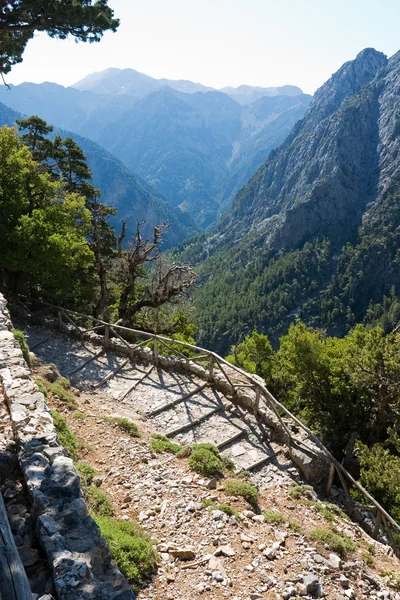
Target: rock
[216,515]
[289,593]
[191,507]
[312,585]
[350,594]
[184,553]
[217,576]
[270,553]
[199,588]
[335,561]
[51,373]
[225,551]
[212,484]
[344,582]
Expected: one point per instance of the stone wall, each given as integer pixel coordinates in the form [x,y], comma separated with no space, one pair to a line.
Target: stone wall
[79,558]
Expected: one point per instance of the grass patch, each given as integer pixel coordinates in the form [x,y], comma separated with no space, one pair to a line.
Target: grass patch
[130,547]
[20,337]
[367,558]
[338,542]
[79,416]
[65,435]
[296,527]
[273,517]
[206,460]
[301,491]
[235,487]
[98,502]
[327,510]
[85,472]
[160,443]
[124,424]
[184,452]
[60,388]
[40,386]
[391,578]
[226,508]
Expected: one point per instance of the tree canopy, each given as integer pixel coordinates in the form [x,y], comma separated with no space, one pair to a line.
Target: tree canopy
[85,20]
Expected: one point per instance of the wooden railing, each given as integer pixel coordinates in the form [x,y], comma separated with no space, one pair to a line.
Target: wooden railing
[239,379]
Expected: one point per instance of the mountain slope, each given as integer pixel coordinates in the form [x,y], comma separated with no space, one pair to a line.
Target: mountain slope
[134,199]
[314,233]
[196,147]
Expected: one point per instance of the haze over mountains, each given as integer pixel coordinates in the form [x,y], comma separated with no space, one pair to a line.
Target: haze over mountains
[315,233]
[196,146]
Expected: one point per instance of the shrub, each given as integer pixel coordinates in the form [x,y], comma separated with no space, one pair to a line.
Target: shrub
[206,462]
[130,547]
[338,542]
[184,452]
[301,491]
[273,517]
[20,337]
[79,416]
[296,527]
[65,435]
[228,510]
[391,578]
[160,443]
[59,388]
[98,502]
[124,424]
[40,386]
[367,558]
[234,487]
[85,472]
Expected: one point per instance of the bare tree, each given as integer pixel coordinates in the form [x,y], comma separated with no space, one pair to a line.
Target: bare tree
[164,285]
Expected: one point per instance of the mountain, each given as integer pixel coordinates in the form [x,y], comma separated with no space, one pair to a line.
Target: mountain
[132,83]
[315,233]
[245,94]
[195,147]
[133,197]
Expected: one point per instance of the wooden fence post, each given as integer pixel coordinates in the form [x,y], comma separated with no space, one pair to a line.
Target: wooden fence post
[155,351]
[106,336]
[60,321]
[378,522]
[211,368]
[330,478]
[14,583]
[257,401]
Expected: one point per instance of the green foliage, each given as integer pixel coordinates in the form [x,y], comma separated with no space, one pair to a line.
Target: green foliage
[124,424]
[205,461]
[296,527]
[65,435]
[19,21]
[338,542]
[367,558]
[235,487]
[380,475]
[391,578]
[301,491]
[78,416]
[254,355]
[40,386]
[20,337]
[58,388]
[98,501]
[130,547]
[85,472]
[226,508]
[273,517]
[160,443]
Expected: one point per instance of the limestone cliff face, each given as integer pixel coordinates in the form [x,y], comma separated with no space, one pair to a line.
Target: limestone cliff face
[341,157]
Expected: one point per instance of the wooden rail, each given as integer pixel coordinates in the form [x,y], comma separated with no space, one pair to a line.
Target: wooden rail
[218,364]
[14,583]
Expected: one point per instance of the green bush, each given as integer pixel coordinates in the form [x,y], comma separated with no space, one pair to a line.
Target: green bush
[206,462]
[226,508]
[85,472]
[130,547]
[184,452]
[367,558]
[296,527]
[59,388]
[79,416]
[273,517]
[338,542]
[65,435]
[124,424]
[301,491]
[160,443]
[40,386]
[20,337]
[234,487]
[98,502]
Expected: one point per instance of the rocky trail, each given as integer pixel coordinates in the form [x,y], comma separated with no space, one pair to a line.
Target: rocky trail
[205,552]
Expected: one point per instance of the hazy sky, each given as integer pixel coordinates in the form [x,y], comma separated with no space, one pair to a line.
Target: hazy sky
[223,42]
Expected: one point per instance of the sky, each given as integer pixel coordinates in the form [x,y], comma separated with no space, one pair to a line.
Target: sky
[223,42]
